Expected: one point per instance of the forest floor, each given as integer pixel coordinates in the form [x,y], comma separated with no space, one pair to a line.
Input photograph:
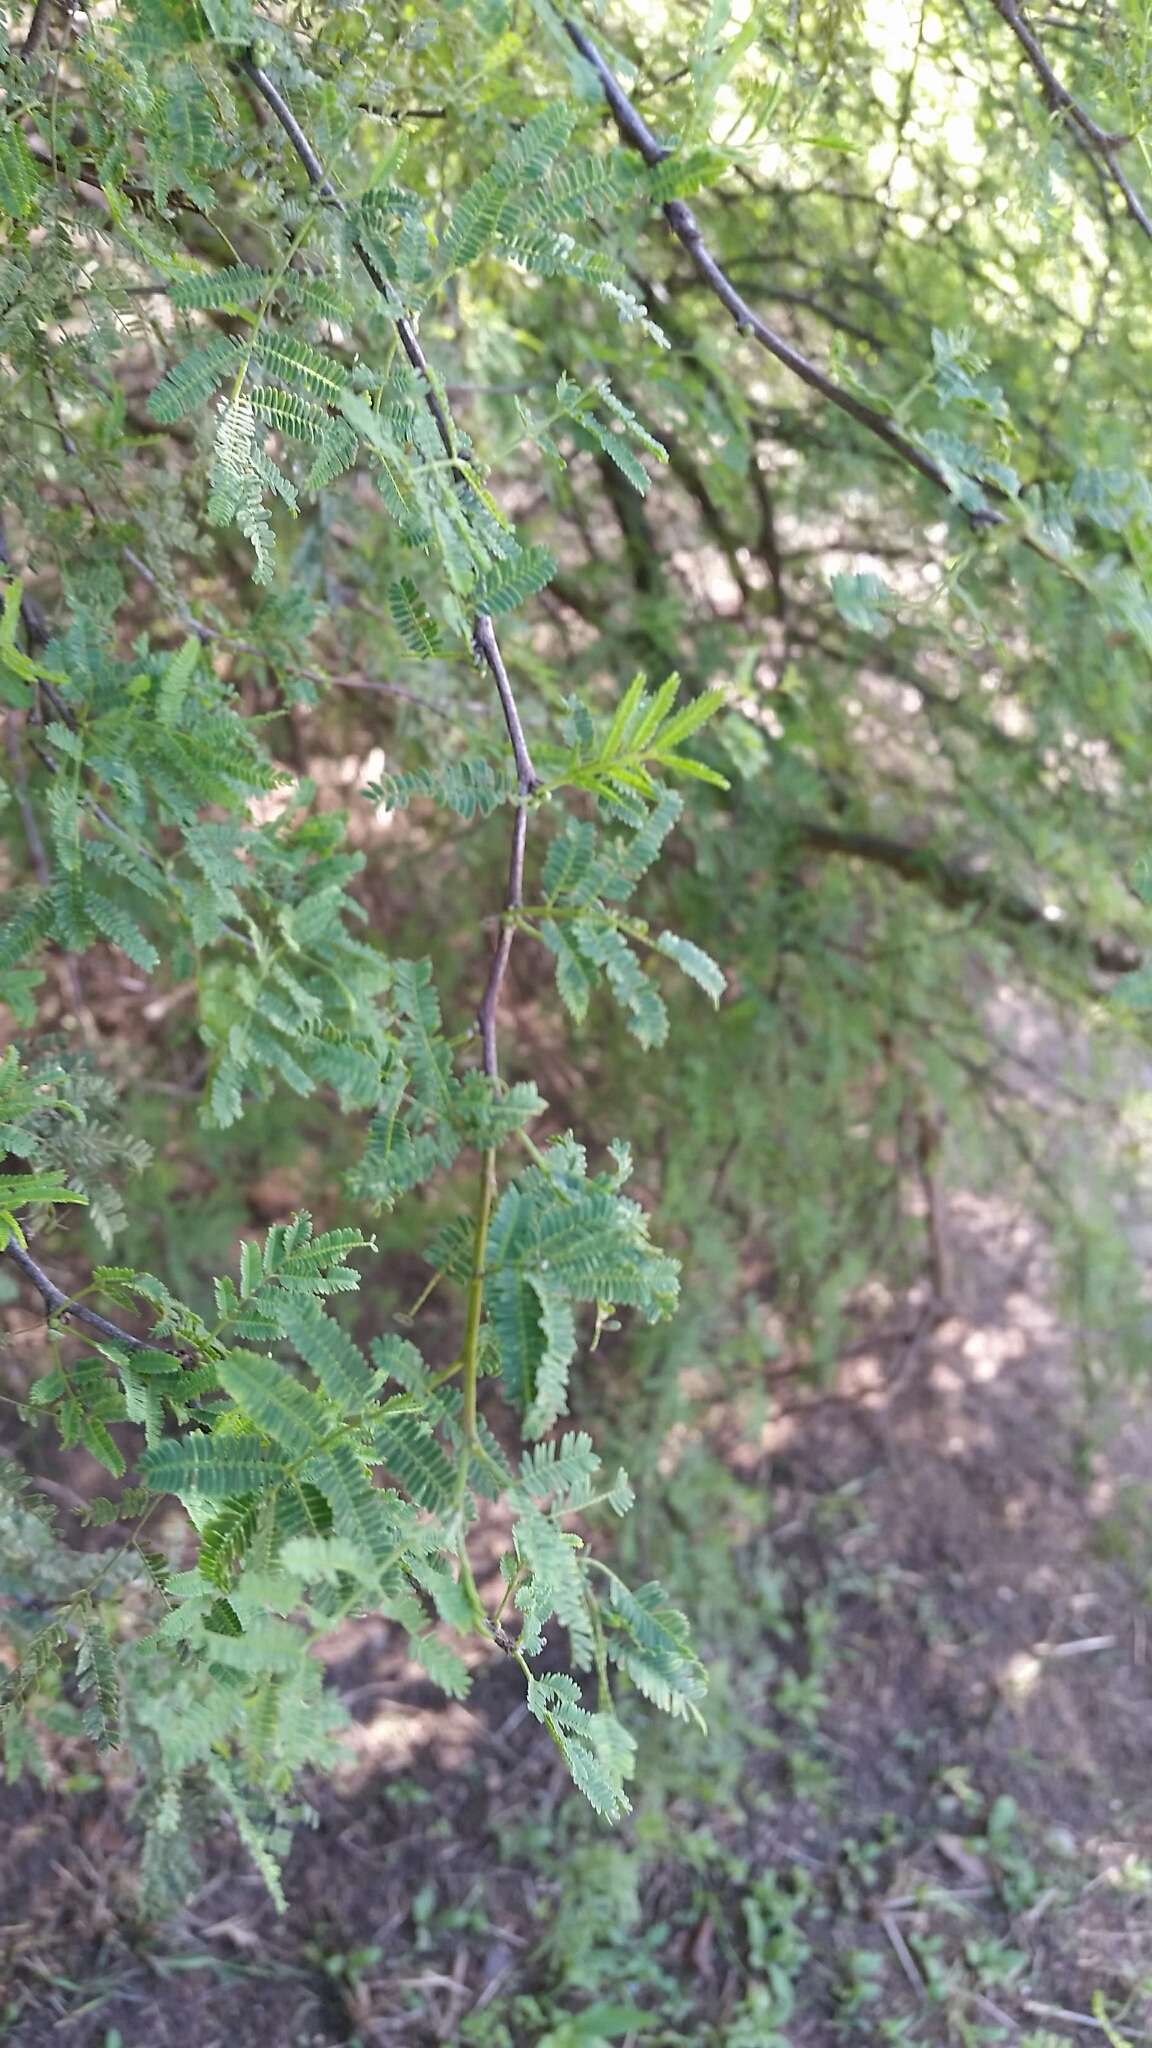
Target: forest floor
[922,1814]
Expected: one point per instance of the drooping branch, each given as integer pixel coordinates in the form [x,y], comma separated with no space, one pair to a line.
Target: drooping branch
[1103,142]
[634,130]
[967,888]
[321,183]
[484,638]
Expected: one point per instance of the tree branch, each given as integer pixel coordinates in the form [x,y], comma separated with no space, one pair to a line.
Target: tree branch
[60,1304]
[38,27]
[1103,141]
[635,131]
[961,888]
[483,633]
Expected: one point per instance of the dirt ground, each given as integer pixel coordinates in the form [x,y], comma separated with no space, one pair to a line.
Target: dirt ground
[923,1814]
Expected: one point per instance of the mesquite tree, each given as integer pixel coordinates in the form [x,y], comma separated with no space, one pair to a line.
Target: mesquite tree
[706,443]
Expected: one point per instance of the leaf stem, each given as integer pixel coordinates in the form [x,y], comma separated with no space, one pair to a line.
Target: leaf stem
[513,1584]
[470,1351]
[470,1368]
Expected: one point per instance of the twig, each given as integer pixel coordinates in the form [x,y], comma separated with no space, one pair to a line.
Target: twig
[513,897]
[206,634]
[938,1894]
[486,645]
[483,632]
[1104,142]
[1084,1646]
[321,183]
[60,1304]
[368,683]
[903,1953]
[1041,2011]
[994,2011]
[635,131]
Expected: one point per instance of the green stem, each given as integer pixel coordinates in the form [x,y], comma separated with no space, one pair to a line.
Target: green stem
[470,1369]
[470,1350]
[513,1584]
[600,1655]
[597,1565]
[541,1160]
[424,1295]
[472,1591]
[548,1719]
[274,282]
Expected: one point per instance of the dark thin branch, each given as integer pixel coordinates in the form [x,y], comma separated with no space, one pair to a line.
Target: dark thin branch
[1104,142]
[206,634]
[321,183]
[38,27]
[487,647]
[769,539]
[963,888]
[60,1304]
[1057,95]
[483,632]
[635,131]
[369,684]
[513,898]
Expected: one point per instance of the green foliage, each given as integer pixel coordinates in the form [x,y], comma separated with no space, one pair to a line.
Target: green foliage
[588,871]
[281,1473]
[99,1684]
[19,177]
[616,760]
[471,787]
[900,555]
[560,1236]
[650,1641]
[412,619]
[599,1753]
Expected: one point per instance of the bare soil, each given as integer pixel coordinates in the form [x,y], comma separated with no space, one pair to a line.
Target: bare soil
[963,1793]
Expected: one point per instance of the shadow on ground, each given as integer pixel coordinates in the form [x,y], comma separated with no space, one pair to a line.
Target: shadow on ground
[923,1812]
